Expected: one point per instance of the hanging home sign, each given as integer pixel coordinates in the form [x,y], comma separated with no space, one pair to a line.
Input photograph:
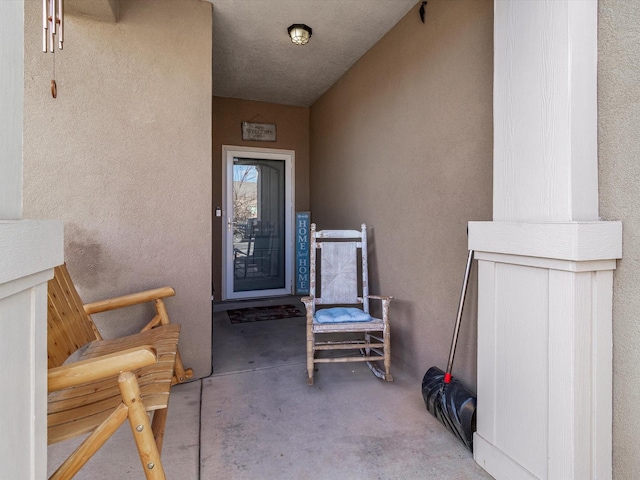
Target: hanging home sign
[259,132]
[302,252]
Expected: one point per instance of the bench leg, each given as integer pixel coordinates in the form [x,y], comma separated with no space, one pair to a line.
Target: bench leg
[91,445]
[141,427]
[158,425]
[181,374]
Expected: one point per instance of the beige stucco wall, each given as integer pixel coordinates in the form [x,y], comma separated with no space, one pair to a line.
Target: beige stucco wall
[122,156]
[403,142]
[292,133]
[619,169]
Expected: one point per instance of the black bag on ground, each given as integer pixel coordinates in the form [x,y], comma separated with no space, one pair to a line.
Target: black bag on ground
[451,403]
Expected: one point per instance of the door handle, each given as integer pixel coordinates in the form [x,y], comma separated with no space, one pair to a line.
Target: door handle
[230,224]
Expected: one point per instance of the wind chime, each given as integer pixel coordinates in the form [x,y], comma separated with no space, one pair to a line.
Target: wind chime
[52,25]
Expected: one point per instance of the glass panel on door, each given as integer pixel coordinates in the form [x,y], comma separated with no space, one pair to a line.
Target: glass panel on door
[258,221]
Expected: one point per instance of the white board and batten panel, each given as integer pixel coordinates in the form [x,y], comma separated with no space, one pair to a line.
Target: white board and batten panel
[602,385]
[581,344]
[544,368]
[23,347]
[512,366]
[29,250]
[521,329]
[569,374]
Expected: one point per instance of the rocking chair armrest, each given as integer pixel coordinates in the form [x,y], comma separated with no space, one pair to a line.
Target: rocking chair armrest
[86,371]
[384,298]
[309,305]
[128,300]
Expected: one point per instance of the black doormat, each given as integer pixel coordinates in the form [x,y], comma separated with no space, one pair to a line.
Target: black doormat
[259,314]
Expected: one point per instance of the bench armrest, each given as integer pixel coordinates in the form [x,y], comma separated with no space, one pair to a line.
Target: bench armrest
[128,300]
[105,366]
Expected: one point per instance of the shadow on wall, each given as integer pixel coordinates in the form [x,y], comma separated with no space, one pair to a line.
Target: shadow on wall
[399,308]
[408,360]
[87,259]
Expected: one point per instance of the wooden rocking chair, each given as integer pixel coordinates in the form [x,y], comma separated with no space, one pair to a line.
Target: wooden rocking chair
[334,261]
[95,384]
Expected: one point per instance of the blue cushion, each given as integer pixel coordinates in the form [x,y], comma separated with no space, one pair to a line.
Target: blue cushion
[341,314]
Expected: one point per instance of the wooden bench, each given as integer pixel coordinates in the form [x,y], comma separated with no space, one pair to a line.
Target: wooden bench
[96,384]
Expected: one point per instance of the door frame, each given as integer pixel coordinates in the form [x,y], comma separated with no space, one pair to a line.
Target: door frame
[288,156]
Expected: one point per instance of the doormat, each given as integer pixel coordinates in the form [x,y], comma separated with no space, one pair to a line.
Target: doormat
[259,314]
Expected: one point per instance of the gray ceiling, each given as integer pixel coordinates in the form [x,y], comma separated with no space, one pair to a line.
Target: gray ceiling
[254,59]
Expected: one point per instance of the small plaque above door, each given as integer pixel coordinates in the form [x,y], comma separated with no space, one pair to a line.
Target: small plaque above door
[259,132]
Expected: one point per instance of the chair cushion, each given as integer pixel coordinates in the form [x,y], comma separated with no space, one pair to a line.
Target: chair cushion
[341,315]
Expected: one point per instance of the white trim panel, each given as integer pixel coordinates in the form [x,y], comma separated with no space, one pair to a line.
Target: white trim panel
[34,246]
[578,241]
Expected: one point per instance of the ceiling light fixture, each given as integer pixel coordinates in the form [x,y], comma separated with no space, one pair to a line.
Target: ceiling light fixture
[299,33]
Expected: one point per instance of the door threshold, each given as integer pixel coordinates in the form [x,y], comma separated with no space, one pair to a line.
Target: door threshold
[225,305]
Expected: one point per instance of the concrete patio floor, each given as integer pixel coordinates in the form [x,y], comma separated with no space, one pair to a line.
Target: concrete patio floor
[256,418]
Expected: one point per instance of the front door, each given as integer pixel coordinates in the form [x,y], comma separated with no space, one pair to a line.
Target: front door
[258,210]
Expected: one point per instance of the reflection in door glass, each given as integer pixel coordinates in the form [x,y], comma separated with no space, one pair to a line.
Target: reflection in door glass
[258,196]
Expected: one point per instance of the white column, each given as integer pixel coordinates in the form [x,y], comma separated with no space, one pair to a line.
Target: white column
[545,263]
[545,111]
[11,99]
[28,252]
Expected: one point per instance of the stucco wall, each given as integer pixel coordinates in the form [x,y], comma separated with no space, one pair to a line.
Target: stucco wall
[292,133]
[122,156]
[403,142]
[619,170]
